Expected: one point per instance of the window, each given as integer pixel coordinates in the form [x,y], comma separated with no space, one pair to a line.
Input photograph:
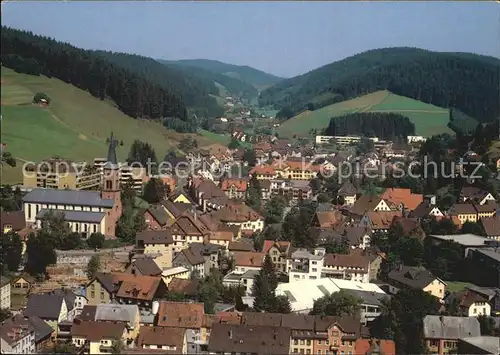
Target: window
[92,294]
[308,342]
[295,350]
[475,310]
[342,342]
[295,342]
[319,342]
[301,341]
[102,295]
[484,310]
[308,351]
[327,342]
[95,228]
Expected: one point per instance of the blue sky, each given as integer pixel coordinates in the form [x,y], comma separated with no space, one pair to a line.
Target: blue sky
[283,38]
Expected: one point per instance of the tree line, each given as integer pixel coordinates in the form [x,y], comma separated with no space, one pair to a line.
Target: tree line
[465,81]
[371,124]
[134,94]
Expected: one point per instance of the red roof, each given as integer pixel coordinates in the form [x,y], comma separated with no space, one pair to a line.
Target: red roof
[269,243]
[403,196]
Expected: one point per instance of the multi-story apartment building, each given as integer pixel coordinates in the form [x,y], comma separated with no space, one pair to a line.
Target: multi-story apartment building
[293,190]
[303,265]
[58,173]
[17,336]
[5,292]
[132,175]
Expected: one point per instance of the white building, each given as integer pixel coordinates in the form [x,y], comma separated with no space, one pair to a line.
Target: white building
[5,293]
[17,337]
[302,265]
[246,280]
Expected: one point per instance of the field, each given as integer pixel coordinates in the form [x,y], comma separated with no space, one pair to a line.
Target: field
[75,125]
[428,119]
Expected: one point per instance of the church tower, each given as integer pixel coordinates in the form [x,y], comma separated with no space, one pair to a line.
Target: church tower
[111,188]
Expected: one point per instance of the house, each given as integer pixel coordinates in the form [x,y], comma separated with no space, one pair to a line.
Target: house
[245,280]
[240,245]
[23,282]
[488,209]
[292,190]
[410,227]
[188,228]
[378,221]
[125,288]
[188,316]
[50,308]
[479,345]
[191,259]
[144,266]
[475,195]
[303,265]
[279,252]
[126,314]
[243,339]
[206,194]
[17,337]
[156,217]
[74,301]
[492,295]
[427,208]
[210,253]
[185,287]
[465,212]
[239,214]
[485,263]
[374,346]
[422,279]
[43,331]
[264,172]
[157,244]
[179,272]
[12,221]
[244,261]
[234,188]
[357,237]
[403,198]
[358,266]
[470,303]
[327,219]
[97,337]
[491,226]
[5,292]
[347,193]
[441,333]
[170,340]
[86,212]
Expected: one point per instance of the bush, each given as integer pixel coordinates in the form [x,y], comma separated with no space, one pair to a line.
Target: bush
[41,97]
[95,240]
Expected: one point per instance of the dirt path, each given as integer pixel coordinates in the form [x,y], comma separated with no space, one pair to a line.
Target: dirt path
[80,134]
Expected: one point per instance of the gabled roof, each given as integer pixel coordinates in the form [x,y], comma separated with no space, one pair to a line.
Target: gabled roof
[67,197]
[95,331]
[364,204]
[404,197]
[248,258]
[159,214]
[131,286]
[382,220]
[462,208]
[446,327]
[352,260]
[411,227]
[188,224]
[180,314]
[240,246]
[240,184]
[282,245]
[423,210]
[15,219]
[183,286]
[192,256]
[472,192]
[147,267]
[161,336]
[347,189]
[412,277]
[156,236]
[491,225]
[328,219]
[237,213]
[44,306]
[176,208]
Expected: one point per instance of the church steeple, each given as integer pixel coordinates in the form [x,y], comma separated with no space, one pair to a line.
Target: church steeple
[112,162]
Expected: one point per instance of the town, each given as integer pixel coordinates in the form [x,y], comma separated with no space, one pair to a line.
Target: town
[258,230]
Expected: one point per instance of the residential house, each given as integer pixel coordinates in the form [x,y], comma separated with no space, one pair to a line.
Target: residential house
[171,340]
[427,208]
[473,194]
[374,346]
[188,316]
[125,288]
[264,172]
[327,219]
[465,212]
[86,211]
[156,244]
[180,195]
[206,194]
[298,170]
[179,272]
[491,226]
[156,217]
[12,221]
[188,228]
[347,193]
[185,287]
[358,266]
[244,261]
[240,245]
[410,227]
[43,331]
[488,209]
[265,189]
[24,282]
[403,198]
[492,295]
[379,221]
[50,308]
[126,314]
[470,303]
[17,337]
[303,265]
[441,333]
[411,277]
[241,215]
[279,252]
[97,337]
[238,279]
[5,292]
[191,259]
[244,339]
[74,301]
[292,190]
[357,237]
[210,253]
[235,188]
[144,266]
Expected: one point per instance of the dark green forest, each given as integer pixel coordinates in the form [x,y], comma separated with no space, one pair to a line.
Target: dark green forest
[464,81]
[234,86]
[251,76]
[134,94]
[194,91]
[371,124]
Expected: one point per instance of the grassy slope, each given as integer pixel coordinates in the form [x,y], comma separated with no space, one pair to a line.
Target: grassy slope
[75,125]
[428,119]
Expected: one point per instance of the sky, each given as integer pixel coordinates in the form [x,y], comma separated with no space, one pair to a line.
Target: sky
[282,38]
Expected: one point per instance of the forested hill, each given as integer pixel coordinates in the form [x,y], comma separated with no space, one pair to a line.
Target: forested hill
[234,86]
[193,89]
[134,94]
[256,78]
[465,81]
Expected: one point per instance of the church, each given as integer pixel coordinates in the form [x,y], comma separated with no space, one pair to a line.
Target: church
[86,212]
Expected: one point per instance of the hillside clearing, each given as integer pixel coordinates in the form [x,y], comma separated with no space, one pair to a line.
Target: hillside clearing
[428,119]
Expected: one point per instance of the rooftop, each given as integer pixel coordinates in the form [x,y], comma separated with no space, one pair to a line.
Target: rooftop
[468,240]
[67,197]
[173,271]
